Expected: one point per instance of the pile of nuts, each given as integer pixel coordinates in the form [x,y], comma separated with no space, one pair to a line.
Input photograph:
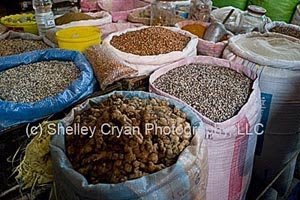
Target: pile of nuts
[17,46]
[36,81]
[150,41]
[286,31]
[107,157]
[216,92]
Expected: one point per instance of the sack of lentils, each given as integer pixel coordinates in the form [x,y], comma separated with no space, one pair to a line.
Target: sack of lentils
[139,161]
[37,84]
[146,49]
[15,43]
[276,60]
[227,98]
[284,28]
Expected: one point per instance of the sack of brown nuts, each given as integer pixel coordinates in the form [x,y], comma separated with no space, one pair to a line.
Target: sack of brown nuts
[106,67]
[133,165]
[150,48]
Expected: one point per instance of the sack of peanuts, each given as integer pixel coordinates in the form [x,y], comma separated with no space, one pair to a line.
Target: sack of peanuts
[276,60]
[107,69]
[146,49]
[141,162]
[226,97]
[120,9]
[15,43]
[284,28]
[204,47]
[38,84]
[83,19]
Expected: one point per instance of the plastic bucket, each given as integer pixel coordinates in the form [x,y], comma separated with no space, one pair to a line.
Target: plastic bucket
[78,38]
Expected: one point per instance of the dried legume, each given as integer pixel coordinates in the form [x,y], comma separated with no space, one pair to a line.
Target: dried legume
[150,41]
[36,81]
[216,92]
[17,46]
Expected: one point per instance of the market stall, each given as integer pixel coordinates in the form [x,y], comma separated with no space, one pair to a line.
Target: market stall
[137,99]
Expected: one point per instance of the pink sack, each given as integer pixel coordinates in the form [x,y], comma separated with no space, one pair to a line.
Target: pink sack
[230,150]
[89,5]
[119,9]
[206,48]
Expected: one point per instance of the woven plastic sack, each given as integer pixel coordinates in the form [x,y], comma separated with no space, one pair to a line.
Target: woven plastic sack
[282,10]
[119,9]
[147,64]
[3,29]
[24,36]
[296,18]
[103,18]
[230,150]
[16,113]
[106,68]
[204,47]
[241,4]
[186,179]
[279,81]
[89,5]
[290,29]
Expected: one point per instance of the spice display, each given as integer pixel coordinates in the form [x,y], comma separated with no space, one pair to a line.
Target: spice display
[17,46]
[150,41]
[196,29]
[216,92]
[107,69]
[286,31]
[115,158]
[36,81]
[72,17]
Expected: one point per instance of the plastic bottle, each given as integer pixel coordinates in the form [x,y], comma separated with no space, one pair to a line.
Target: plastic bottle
[43,15]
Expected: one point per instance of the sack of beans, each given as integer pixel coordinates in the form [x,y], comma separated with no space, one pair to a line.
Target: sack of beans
[284,28]
[226,96]
[158,152]
[108,70]
[276,59]
[120,9]
[37,84]
[83,19]
[148,48]
[15,43]
[204,47]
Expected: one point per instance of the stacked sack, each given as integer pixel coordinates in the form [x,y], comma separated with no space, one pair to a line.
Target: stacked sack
[147,49]
[276,60]
[127,168]
[231,139]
